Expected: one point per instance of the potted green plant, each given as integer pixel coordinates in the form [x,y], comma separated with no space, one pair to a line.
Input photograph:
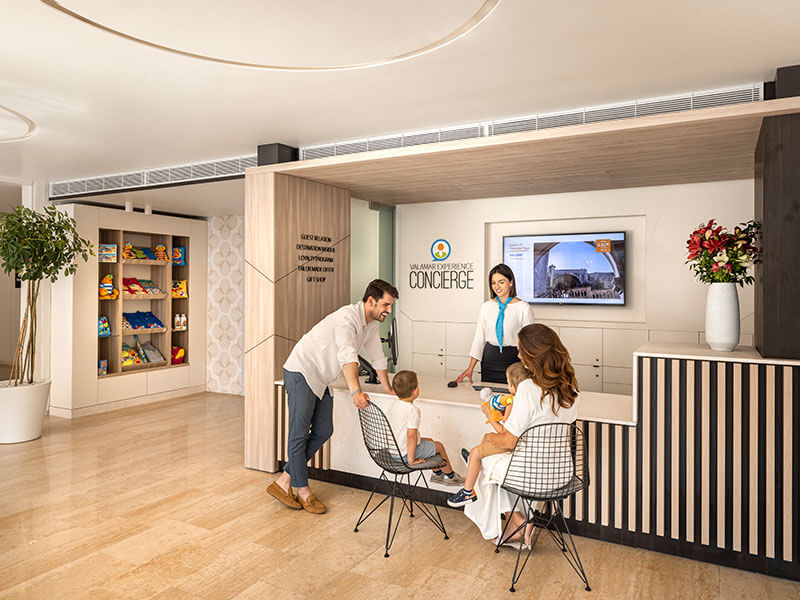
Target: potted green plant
[36,246]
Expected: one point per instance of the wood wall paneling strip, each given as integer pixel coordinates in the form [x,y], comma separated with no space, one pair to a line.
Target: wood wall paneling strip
[719,475]
[674,451]
[620,466]
[632,477]
[795,512]
[683,449]
[778,420]
[736,438]
[769,489]
[605,466]
[754,505]
[789,486]
[595,478]
[692,455]
[661,460]
[762,460]
[705,469]
[643,517]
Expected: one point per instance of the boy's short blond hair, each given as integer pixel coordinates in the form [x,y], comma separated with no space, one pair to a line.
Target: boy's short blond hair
[404,383]
[516,374]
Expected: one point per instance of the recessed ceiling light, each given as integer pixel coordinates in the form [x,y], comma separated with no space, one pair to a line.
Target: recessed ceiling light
[29,123]
[479,17]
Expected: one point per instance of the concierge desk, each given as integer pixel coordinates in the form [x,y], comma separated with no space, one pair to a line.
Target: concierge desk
[698,463]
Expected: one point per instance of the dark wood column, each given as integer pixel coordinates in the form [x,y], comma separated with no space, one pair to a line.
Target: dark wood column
[777,207]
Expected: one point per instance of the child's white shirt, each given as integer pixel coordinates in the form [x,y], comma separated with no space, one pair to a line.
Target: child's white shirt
[529,410]
[403,416]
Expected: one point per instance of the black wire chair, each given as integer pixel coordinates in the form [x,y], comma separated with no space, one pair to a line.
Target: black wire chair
[382,447]
[548,465]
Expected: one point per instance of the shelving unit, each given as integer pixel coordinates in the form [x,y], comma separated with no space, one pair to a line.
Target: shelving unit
[163,306]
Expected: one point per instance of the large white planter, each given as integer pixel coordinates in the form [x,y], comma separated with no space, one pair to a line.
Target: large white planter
[22,411]
[722,317]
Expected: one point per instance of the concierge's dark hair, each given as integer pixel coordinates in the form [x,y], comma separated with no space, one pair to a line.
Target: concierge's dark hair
[505,271]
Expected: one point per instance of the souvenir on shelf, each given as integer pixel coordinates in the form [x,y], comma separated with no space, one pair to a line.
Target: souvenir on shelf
[140,320]
[179,256]
[107,291]
[161,252]
[131,285]
[179,289]
[127,250]
[130,356]
[152,353]
[107,253]
[103,328]
[102,367]
[180,322]
[150,287]
[178,354]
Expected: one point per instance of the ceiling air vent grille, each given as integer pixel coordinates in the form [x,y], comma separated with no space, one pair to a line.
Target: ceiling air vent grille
[352,147]
[318,151]
[658,106]
[462,132]
[560,119]
[161,176]
[386,142]
[514,125]
[610,113]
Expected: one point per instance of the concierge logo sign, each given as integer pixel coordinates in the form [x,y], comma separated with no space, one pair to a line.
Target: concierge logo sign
[440,273]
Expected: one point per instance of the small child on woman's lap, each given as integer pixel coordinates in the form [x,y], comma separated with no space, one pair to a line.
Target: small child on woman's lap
[404,419]
[515,374]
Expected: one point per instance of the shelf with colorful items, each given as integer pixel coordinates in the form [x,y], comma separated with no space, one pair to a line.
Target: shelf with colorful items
[141,355]
[179,294]
[145,256]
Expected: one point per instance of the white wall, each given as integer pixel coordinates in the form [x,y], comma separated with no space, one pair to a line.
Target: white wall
[225,316]
[664,303]
[10,196]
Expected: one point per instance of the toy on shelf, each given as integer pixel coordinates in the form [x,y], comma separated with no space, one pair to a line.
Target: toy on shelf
[131,285]
[107,253]
[161,252]
[179,289]
[127,251]
[103,328]
[140,320]
[178,354]
[130,356]
[107,291]
[102,367]
[179,256]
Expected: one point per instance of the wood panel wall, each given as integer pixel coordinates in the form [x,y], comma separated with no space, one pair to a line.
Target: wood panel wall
[708,472]
[282,300]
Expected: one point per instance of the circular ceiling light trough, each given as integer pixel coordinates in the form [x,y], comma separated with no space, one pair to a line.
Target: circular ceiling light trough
[473,22]
[27,122]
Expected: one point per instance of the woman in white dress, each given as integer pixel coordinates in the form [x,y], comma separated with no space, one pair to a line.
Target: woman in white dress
[550,395]
[499,323]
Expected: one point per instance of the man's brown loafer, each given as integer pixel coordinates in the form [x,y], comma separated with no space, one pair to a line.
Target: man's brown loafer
[289,499]
[313,505]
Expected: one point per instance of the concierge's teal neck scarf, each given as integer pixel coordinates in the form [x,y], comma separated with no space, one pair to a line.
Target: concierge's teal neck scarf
[498,327]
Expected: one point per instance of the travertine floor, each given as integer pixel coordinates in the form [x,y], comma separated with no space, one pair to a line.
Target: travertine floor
[153,502]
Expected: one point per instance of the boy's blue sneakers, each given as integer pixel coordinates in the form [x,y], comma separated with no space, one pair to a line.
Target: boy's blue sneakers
[461,498]
[465,455]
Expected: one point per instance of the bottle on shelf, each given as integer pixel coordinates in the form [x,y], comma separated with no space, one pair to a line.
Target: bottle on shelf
[183,321]
[177,324]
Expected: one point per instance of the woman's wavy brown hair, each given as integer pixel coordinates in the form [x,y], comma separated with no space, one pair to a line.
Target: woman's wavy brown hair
[544,355]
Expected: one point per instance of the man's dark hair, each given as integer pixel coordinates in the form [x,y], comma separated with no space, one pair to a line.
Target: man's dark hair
[404,383]
[376,289]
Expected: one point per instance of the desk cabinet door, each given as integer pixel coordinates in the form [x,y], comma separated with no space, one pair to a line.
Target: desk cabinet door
[589,378]
[429,365]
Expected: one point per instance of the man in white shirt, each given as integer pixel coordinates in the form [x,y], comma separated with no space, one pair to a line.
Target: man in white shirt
[317,360]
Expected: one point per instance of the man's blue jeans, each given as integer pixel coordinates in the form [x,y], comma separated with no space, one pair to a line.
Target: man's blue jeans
[310,425]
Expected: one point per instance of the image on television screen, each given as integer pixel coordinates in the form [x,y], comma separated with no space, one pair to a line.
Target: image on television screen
[576,268]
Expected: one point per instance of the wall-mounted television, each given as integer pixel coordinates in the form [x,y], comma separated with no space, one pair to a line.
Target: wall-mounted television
[573,268]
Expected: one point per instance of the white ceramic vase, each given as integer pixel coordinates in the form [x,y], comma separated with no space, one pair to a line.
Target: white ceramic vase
[722,317]
[22,411]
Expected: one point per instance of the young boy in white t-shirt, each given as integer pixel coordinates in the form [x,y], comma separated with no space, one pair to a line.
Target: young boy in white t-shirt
[404,418]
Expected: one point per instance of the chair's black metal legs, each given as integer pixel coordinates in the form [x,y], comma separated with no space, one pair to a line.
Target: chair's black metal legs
[406,496]
[556,525]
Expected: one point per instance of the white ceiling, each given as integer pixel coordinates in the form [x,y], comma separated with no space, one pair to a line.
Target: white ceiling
[104,104]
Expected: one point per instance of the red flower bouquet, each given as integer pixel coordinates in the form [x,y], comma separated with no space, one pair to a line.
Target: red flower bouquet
[719,256]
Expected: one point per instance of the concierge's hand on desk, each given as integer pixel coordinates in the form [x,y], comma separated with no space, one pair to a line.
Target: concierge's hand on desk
[361,400]
[467,373]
